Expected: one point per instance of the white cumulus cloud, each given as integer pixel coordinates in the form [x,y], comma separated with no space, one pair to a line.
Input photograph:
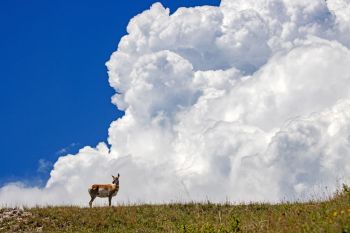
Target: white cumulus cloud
[248,101]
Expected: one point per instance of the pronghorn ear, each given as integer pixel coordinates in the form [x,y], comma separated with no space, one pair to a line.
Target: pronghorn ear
[113,177]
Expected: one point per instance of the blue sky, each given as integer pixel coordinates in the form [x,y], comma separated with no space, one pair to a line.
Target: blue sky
[54,91]
[280,133]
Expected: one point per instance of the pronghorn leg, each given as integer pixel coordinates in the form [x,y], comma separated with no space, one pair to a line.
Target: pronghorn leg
[110,200]
[92,199]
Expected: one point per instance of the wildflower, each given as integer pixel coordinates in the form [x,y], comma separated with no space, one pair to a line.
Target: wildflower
[342,212]
[335,213]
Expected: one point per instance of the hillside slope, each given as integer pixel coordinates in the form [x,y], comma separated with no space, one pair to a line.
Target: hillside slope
[328,216]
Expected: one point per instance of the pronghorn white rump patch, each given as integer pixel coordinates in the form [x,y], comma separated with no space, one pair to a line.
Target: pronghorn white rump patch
[248,101]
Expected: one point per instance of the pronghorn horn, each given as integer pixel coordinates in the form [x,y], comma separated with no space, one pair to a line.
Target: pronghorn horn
[118,175]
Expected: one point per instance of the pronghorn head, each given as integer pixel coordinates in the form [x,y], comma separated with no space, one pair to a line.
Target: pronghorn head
[115,179]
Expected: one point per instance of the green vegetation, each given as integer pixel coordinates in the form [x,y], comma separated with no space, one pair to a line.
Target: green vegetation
[328,216]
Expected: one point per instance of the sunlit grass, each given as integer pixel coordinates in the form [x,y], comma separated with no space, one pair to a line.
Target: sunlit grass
[332,215]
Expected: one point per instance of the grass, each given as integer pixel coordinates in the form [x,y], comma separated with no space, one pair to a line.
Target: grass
[332,215]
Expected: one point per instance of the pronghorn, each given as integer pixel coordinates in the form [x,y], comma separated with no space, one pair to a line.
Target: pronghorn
[104,190]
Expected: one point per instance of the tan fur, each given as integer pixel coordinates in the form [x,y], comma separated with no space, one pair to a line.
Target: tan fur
[104,186]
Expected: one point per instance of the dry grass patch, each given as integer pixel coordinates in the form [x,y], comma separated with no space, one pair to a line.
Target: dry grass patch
[327,216]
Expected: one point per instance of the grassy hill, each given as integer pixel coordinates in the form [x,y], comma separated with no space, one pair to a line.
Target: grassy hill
[328,216]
